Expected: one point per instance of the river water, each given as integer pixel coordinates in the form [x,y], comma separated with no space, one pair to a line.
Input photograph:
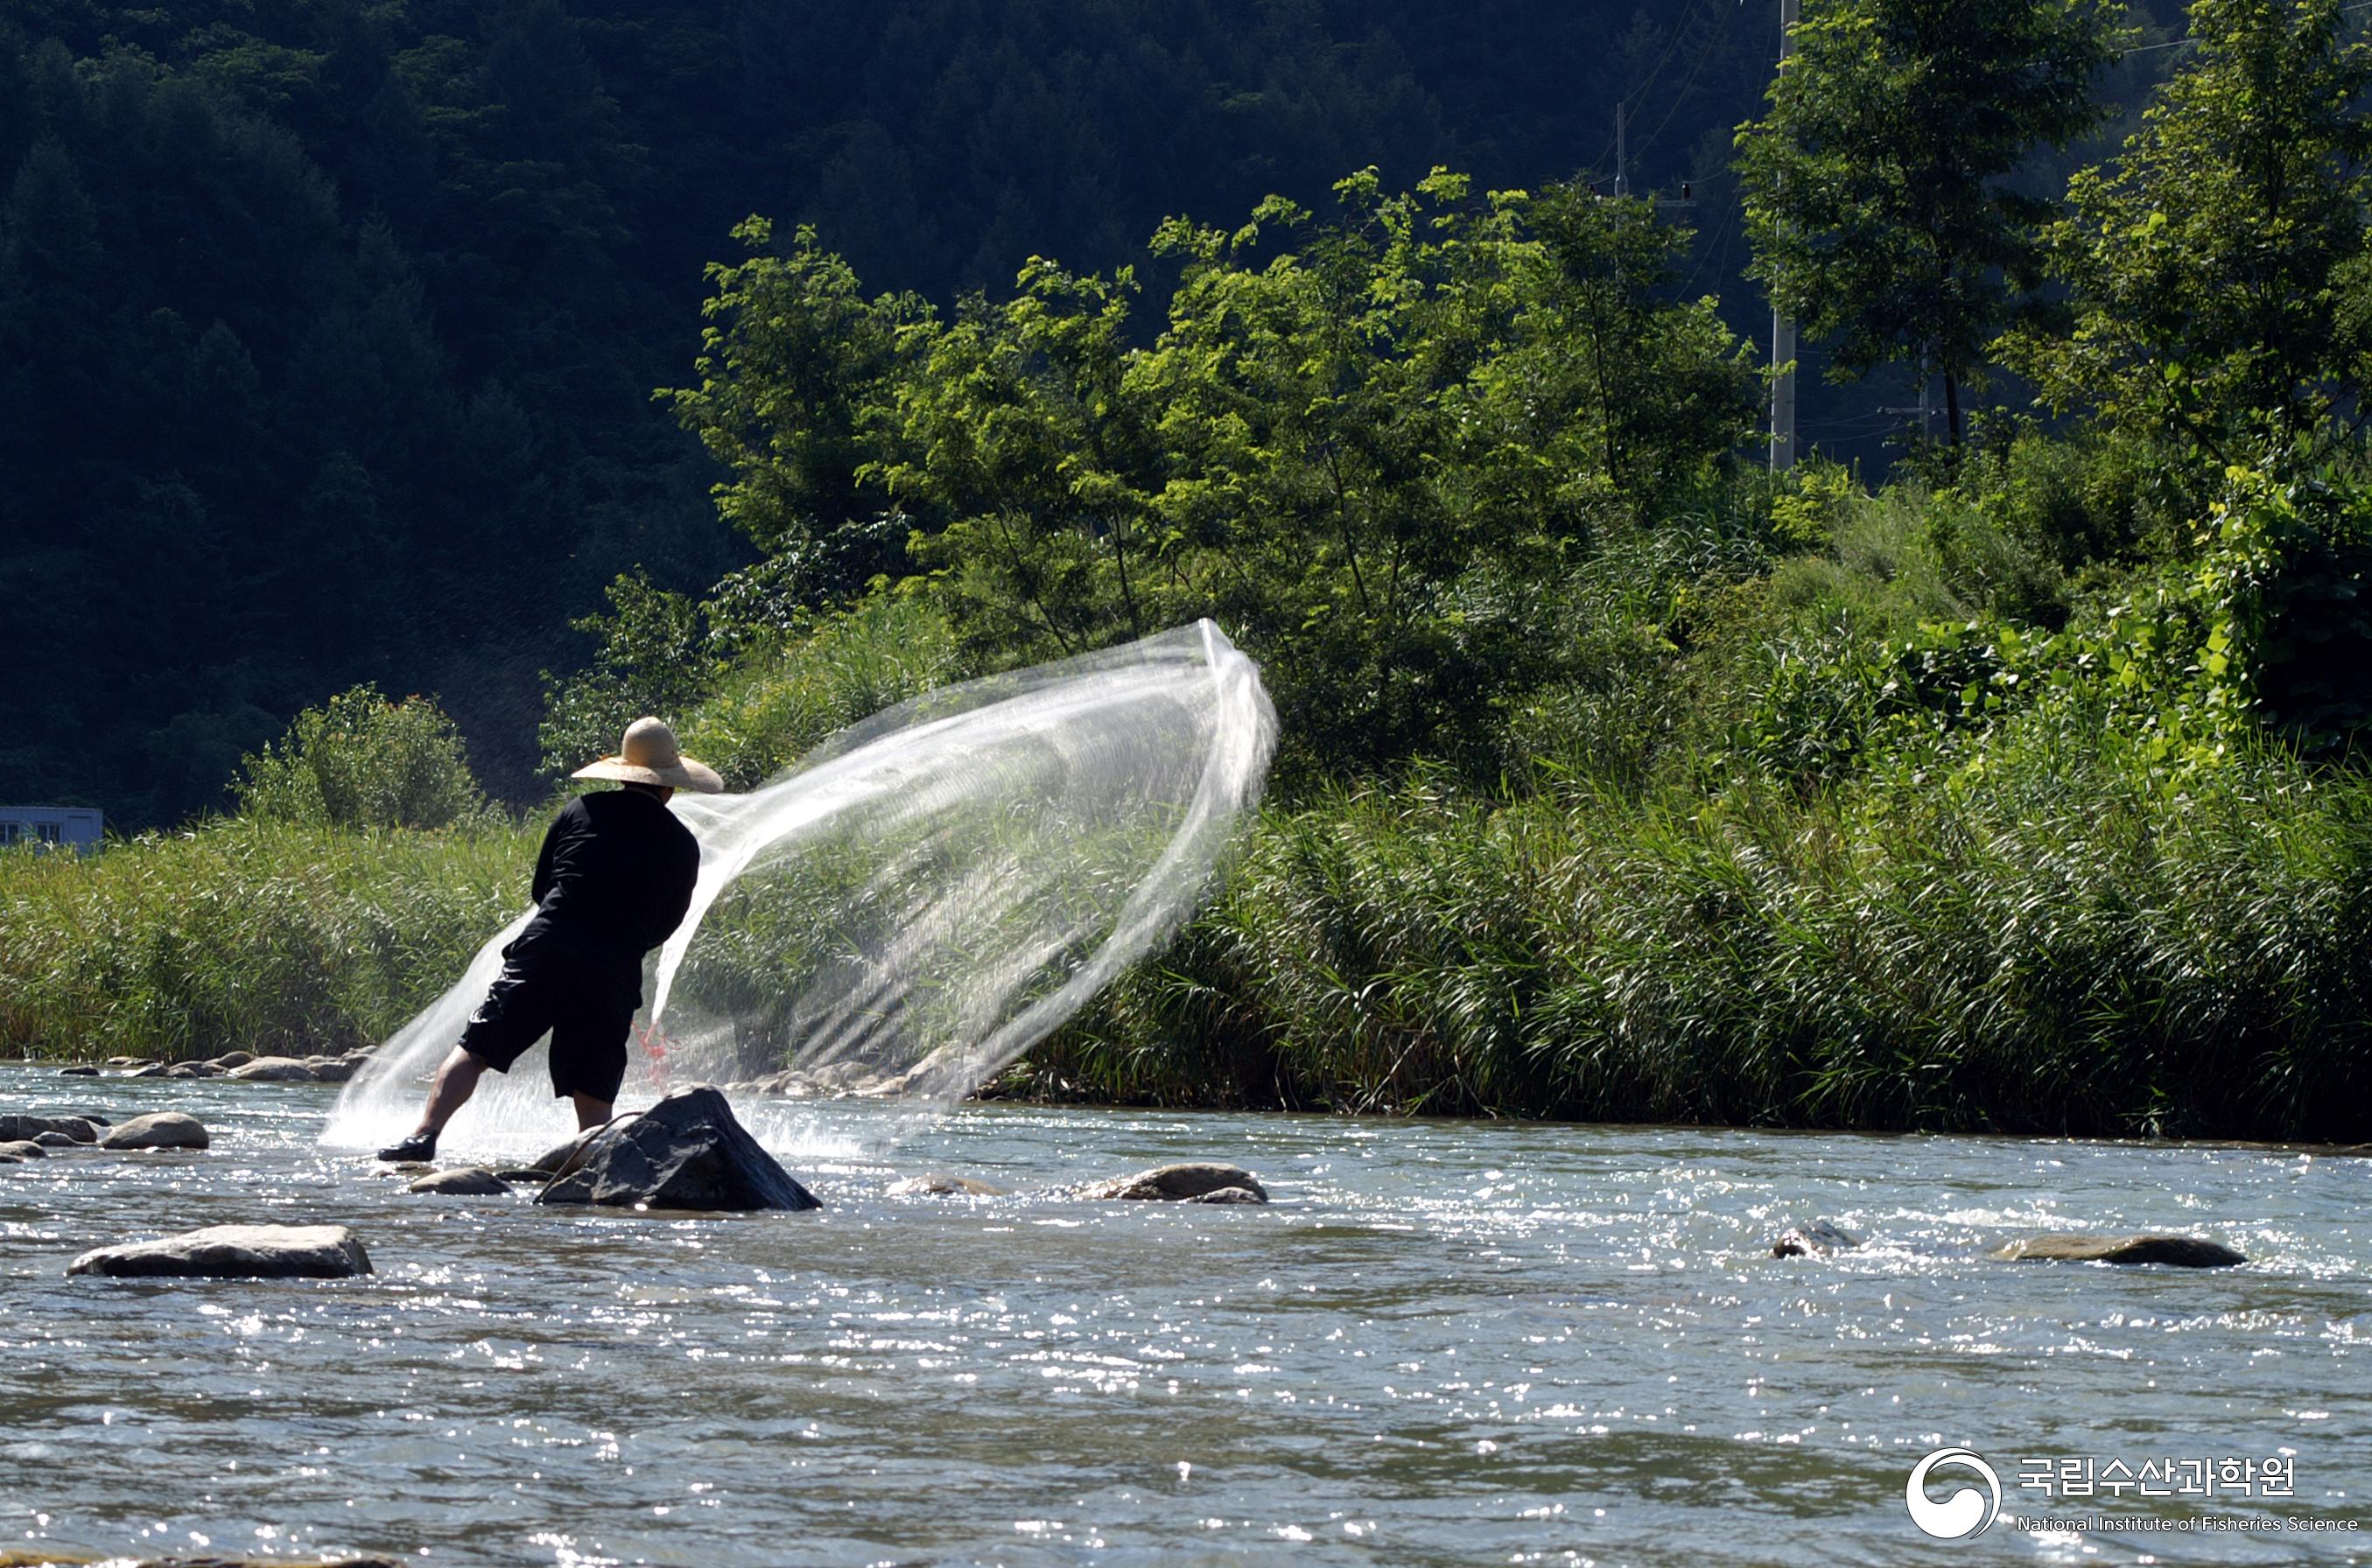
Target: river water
[1446,1343]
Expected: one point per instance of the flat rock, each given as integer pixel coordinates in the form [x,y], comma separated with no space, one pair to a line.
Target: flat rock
[686,1152]
[330,1069]
[939,1184]
[54,1141]
[74,1127]
[24,1149]
[231,1059]
[1816,1239]
[80,1070]
[276,1070]
[2177,1252]
[161,1129]
[235,1251]
[462,1182]
[523,1173]
[193,1070]
[1175,1184]
[150,1070]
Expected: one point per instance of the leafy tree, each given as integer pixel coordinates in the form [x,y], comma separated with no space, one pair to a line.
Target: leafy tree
[1878,185]
[2220,281]
[793,362]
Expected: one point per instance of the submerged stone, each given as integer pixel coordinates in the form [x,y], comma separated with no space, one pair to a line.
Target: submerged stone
[686,1152]
[80,1070]
[462,1182]
[939,1184]
[163,1130]
[235,1251]
[2177,1252]
[1816,1239]
[1191,1180]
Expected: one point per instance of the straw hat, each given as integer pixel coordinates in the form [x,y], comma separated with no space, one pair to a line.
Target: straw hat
[650,755]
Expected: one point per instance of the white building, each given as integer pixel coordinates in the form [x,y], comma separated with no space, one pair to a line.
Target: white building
[80,826]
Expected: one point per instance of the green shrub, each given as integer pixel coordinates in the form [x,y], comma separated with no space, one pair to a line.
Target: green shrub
[360,760]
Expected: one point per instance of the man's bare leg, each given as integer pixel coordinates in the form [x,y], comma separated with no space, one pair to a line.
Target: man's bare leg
[456,1081]
[591,1112]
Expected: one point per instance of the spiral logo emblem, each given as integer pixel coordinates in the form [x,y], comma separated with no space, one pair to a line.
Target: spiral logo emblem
[1964,1515]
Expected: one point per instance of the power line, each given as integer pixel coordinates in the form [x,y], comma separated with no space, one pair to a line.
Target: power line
[2185,42]
[1680,31]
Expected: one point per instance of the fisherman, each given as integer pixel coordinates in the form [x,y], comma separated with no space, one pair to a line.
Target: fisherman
[612,882]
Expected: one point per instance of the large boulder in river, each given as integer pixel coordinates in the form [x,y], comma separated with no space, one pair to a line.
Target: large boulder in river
[687,1152]
[163,1130]
[1194,1182]
[234,1252]
[2180,1251]
[74,1127]
[23,1149]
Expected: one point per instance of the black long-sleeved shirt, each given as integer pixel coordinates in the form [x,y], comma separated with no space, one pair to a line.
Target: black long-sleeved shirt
[615,876]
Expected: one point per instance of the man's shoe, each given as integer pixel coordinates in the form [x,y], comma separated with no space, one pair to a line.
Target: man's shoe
[419,1146]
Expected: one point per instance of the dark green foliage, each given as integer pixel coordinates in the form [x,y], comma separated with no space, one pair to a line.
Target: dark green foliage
[327,329]
[1371,446]
[1879,188]
[2218,266]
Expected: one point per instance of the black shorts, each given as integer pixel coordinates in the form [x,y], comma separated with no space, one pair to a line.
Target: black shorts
[587,1006]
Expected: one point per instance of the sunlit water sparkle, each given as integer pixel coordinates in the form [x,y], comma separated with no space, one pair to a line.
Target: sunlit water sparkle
[1446,1342]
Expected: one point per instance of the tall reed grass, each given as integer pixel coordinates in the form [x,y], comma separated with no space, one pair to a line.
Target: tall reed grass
[2072,948]
[260,935]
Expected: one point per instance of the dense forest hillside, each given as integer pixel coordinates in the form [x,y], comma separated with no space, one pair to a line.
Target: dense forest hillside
[328,330]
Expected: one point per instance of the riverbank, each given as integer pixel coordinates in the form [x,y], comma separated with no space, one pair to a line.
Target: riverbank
[2080,953]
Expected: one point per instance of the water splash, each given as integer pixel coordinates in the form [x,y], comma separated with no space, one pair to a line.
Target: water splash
[918,900]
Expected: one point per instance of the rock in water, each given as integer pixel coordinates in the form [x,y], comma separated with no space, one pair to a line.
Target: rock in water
[234,1252]
[23,1149]
[80,1070]
[1817,1239]
[276,1070]
[1194,1180]
[687,1152]
[72,1127]
[939,1184]
[567,1156]
[2180,1251]
[463,1182]
[231,1059]
[164,1130]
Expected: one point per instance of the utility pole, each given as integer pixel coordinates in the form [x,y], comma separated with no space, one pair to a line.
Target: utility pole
[1783,327]
[1622,151]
